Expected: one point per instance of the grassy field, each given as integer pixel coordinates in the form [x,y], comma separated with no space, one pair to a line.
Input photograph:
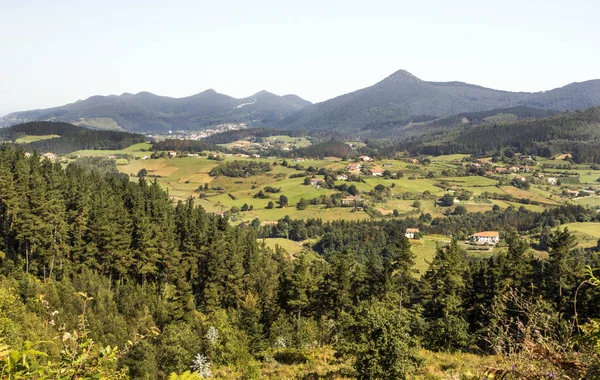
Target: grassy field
[323,364]
[30,139]
[424,250]
[587,233]
[181,177]
[137,150]
[290,246]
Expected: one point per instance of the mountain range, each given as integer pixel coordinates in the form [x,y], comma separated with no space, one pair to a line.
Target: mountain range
[146,112]
[399,100]
[402,98]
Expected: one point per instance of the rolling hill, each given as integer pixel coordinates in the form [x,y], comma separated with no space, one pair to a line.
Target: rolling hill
[61,138]
[576,132]
[146,112]
[402,98]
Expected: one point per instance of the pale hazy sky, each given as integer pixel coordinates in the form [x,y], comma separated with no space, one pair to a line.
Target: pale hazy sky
[56,52]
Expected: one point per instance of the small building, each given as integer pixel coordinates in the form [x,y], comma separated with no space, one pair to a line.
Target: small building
[317,182]
[350,200]
[298,159]
[365,158]
[489,172]
[552,181]
[172,153]
[411,232]
[342,177]
[500,169]
[146,157]
[353,167]
[514,169]
[489,237]
[49,155]
[219,213]
[572,193]
[377,172]
[27,154]
[256,155]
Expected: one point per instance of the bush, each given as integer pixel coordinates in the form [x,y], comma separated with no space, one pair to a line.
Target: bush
[291,356]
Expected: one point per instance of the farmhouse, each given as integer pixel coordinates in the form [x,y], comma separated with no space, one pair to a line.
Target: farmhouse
[172,153]
[489,237]
[377,172]
[572,193]
[365,158]
[410,232]
[350,200]
[353,167]
[50,155]
[317,181]
[552,181]
[500,169]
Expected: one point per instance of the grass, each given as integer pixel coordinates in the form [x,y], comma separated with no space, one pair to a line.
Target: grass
[424,250]
[290,246]
[527,194]
[30,139]
[323,364]
[137,150]
[587,233]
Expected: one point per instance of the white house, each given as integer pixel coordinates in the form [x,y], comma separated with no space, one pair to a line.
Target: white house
[552,181]
[410,232]
[49,155]
[377,172]
[172,153]
[365,158]
[342,177]
[317,182]
[489,237]
[353,167]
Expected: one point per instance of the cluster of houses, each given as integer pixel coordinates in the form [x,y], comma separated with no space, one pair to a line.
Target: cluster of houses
[354,169]
[484,237]
[48,155]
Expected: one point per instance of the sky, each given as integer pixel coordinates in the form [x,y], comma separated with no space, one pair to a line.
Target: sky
[56,52]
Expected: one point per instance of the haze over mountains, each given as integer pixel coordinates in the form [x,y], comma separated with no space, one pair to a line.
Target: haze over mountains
[395,101]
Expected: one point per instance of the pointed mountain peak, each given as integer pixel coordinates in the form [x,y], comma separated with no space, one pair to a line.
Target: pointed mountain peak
[402,76]
[261,94]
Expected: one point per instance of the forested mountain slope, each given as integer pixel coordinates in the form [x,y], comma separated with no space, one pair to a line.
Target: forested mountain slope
[577,132]
[70,137]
